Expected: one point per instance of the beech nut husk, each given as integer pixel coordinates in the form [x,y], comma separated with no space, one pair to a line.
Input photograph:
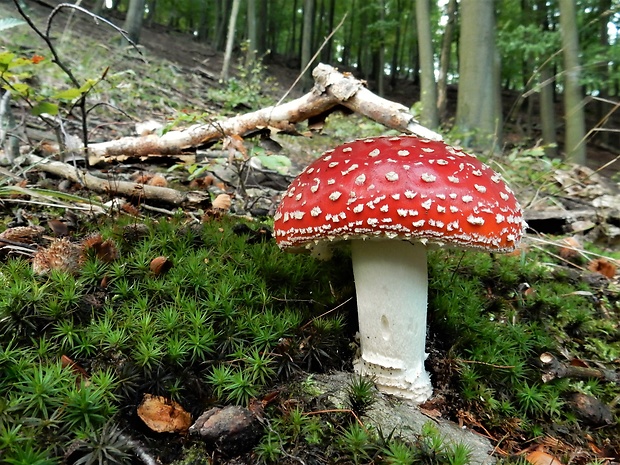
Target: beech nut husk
[160,265]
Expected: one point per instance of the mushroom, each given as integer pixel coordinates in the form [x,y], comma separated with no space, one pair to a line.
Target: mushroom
[392,198]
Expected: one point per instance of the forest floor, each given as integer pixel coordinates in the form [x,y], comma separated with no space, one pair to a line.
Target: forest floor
[495,391]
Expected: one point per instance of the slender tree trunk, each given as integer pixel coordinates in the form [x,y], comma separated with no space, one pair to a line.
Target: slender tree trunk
[263,26]
[326,55]
[98,7]
[444,61]
[477,115]
[133,20]
[252,32]
[292,44]
[306,42]
[379,55]
[362,45]
[428,86]
[604,6]
[346,53]
[318,30]
[230,39]
[547,112]
[203,26]
[394,65]
[575,147]
[547,93]
[222,15]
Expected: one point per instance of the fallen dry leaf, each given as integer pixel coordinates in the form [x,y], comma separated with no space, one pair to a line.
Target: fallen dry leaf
[222,202]
[158,181]
[603,266]
[59,228]
[105,250]
[163,415]
[570,247]
[539,457]
[234,143]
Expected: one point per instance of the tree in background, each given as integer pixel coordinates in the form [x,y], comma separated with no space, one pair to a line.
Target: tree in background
[306,42]
[478,113]
[133,20]
[444,59]
[381,42]
[230,40]
[428,86]
[574,142]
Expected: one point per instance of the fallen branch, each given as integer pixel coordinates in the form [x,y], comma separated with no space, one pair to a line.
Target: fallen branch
[331,89]
[114,187]
[553,368]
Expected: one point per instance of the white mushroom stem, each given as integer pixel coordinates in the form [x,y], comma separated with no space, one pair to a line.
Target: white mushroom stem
[391,282]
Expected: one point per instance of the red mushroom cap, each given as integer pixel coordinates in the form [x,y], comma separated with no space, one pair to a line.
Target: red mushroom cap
[399,187]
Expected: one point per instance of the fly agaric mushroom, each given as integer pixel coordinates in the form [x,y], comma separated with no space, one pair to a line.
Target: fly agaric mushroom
[391,197]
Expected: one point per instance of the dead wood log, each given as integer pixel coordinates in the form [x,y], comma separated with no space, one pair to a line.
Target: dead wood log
[116,187]
[332,88]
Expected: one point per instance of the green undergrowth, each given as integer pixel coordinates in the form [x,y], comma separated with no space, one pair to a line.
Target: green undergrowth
[493,316]
[221,326]
[235,320]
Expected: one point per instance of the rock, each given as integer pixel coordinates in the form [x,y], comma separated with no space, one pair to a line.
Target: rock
[405,419]
[232,429]
[591,410]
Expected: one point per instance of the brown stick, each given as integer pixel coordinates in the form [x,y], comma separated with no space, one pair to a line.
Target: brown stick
[126,188]
[553,368]
[331,88]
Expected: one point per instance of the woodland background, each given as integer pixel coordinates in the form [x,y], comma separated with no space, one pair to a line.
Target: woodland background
[508,59]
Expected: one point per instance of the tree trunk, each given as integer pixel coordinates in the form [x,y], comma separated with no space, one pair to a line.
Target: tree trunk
[349,25]
[477,116]
[575,148]
[444,61]
[394,65]
[252,32]
[293,37]
[547,112]
[378,55]
[230,39]
[221,15]
[98,7]
[428,87]
[326,55]
[133,20]
[602,106]
[263,27]
[306,42]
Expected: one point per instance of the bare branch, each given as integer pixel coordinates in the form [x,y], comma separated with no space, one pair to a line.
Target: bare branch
[332,88]
[116,187]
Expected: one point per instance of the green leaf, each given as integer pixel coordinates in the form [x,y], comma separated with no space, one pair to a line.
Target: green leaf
[89,84]
[278,163]
[45,107]
[5,60]
[68,94]
[7,23]
[21,88]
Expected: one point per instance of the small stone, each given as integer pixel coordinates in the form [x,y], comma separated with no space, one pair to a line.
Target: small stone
[231,430]
[591,410]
